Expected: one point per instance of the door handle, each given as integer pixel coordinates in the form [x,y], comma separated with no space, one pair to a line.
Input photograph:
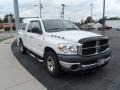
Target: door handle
[39,45]
[25,34]
[31,37]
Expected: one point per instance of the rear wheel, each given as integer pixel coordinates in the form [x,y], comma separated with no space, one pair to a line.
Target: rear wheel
[52,64]
[22,48]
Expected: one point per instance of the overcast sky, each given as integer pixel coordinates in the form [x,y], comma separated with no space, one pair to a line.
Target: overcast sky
[75,9]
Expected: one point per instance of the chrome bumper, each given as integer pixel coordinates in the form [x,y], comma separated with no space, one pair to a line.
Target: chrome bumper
[79,66]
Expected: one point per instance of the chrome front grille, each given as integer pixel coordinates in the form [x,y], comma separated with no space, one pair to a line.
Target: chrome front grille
[94,47]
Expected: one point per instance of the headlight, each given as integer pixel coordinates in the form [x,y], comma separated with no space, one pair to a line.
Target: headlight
[67,49]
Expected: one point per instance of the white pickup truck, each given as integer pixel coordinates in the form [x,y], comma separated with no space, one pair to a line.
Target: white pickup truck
[62,45]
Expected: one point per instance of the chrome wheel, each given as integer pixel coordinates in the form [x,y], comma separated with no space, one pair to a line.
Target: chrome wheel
[50,64]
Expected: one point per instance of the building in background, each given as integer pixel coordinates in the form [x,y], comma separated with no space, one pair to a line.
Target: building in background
[115,24]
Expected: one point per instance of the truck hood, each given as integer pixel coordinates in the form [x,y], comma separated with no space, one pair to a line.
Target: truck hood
[73,35]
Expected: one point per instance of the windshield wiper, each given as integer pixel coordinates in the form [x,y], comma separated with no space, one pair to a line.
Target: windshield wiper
[72,28]
[55,28]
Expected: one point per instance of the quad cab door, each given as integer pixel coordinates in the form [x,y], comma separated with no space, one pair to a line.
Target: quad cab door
[28,35]
[22,31]
[37,38]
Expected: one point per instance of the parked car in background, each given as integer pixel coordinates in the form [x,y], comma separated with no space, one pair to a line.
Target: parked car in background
[91,26]
[105,28]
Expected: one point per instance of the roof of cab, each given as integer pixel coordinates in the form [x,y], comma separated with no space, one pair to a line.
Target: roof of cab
[30,19]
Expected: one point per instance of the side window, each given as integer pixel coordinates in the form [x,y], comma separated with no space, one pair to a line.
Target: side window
[37,27]
[30,26]
[21,26]
[24,26]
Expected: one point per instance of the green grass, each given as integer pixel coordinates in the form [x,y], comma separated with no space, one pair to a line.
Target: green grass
[3,39]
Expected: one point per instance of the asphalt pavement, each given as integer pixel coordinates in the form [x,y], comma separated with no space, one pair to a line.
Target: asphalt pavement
[6,34]
[105,78]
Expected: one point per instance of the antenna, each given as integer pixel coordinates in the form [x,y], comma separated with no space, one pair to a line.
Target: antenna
[62,13]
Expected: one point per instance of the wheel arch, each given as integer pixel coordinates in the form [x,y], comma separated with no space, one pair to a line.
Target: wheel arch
[49,49]
[57,71]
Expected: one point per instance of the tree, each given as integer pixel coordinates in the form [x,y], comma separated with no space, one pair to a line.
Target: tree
[77,24]
[114,18]
[89,20]
[1,20]
[101,21]
[5,20]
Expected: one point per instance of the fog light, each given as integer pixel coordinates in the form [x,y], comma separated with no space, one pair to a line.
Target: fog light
[75,67]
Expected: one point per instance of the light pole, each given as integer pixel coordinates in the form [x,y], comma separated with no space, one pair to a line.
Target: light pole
[62,13]
[17,19]
[40,7]
[91,10]
[103,12]
[103,32]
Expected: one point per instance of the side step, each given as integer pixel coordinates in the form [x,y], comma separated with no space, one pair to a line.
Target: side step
[40,59]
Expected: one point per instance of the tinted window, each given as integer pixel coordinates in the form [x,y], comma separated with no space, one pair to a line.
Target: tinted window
[21,26]
[24,26]
[30,26]
[37,27]
[59,25]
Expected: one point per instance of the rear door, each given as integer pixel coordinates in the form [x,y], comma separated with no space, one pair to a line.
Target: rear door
[28,35]
[22,30]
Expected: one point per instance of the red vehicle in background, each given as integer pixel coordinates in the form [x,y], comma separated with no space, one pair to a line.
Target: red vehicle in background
[7,26]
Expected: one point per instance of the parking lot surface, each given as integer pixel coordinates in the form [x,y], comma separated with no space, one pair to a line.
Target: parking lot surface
[6,34]
[106,78]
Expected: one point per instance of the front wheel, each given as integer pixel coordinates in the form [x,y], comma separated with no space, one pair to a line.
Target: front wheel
[52,64]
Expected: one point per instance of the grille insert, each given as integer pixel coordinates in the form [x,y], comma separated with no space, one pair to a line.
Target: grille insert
[103,42]
[88,51]
[103,48]
[89,44]
[94,47]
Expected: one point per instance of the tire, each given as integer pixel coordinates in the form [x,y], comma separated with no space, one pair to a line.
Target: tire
[22,48]
[52,65]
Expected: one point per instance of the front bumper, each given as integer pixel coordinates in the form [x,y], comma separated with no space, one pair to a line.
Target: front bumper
[76,62]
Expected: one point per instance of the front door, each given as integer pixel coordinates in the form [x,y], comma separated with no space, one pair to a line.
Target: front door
[37,38]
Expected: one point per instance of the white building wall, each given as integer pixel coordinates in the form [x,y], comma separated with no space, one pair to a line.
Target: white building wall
[113,23]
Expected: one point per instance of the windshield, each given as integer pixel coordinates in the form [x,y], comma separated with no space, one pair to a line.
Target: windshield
[59,25]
